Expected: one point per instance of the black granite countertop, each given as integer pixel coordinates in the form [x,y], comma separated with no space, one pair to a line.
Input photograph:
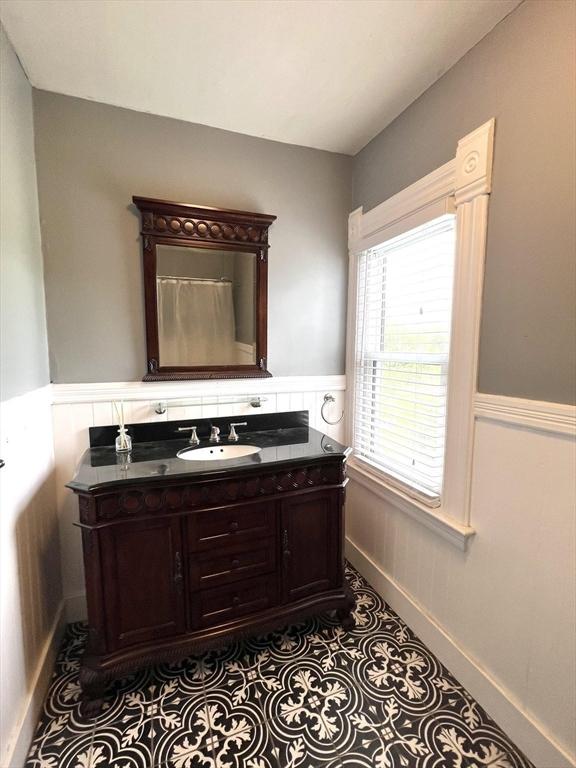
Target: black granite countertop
[284,438]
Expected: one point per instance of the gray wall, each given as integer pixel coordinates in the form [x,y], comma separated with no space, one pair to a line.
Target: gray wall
[23,345]
[92,158]
[522,73]
[194,262]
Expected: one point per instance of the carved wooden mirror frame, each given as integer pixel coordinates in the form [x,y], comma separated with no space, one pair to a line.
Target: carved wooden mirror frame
[170,223]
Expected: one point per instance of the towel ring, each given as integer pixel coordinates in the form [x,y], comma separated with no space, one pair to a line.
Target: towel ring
[330,399]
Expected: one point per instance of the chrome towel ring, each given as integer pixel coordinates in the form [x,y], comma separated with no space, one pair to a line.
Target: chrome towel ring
[330,399]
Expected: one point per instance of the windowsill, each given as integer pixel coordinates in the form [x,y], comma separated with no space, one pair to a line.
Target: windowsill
[447,527]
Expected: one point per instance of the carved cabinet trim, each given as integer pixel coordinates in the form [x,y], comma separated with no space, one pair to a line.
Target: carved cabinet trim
[208,493]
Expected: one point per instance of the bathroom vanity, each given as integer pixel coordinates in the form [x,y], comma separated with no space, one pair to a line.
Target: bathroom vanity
[181,555]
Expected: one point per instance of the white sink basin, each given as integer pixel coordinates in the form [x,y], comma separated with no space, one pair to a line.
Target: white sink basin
[217,452]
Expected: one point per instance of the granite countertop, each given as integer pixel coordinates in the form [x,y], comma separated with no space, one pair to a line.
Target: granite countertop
[283,438]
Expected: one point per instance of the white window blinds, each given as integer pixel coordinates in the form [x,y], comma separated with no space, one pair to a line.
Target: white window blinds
[404,307]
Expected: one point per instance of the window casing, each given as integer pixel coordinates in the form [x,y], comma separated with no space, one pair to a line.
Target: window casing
[460,188]
[403,320]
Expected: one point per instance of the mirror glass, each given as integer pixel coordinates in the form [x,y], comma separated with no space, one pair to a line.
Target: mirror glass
[206,306]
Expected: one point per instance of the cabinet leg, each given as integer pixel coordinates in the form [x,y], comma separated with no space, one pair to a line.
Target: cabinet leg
[346,619]
[93,685]
[346,613]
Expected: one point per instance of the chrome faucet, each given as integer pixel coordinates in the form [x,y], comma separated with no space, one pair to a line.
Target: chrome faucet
[214,435]
[194,440]
[233,437]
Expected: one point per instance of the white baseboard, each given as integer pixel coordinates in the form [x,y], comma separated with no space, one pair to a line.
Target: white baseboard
[32,706]
[531,736]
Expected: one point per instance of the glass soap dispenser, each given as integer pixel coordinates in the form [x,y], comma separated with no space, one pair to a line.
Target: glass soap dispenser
[123,441]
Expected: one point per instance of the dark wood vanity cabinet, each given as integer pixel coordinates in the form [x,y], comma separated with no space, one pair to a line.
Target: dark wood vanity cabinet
[310,538]
[143,581]
[174,568]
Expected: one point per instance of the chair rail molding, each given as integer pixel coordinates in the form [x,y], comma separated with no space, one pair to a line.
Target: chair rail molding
[558,418]
[138,390]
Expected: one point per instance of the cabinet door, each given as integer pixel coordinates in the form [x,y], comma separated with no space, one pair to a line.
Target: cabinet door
[143,581]
[311,547]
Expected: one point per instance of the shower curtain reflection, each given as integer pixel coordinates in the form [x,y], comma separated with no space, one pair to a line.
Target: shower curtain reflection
[195,321]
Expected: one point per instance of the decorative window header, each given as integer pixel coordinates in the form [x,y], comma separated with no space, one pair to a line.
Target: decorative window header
[459,181]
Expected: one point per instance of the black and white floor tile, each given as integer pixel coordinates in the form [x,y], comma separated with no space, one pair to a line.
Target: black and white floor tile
[307,696]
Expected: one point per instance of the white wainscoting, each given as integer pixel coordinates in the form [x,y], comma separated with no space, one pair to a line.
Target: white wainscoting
[30,606]
[501,616]
[79,406]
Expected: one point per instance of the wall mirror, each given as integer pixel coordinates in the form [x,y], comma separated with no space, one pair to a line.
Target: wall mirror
[205,291]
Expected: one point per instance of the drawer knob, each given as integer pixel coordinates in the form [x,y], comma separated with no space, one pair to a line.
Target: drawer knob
[235,600]
[234,525]
[235,563]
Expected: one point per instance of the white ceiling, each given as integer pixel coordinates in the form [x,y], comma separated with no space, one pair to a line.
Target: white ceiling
[329,74]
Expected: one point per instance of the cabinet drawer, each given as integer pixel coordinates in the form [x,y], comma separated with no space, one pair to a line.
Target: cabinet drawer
[223,604]
[220,527]
[232,563]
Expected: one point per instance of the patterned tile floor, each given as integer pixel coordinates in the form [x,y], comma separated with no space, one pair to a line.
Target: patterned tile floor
[307,696]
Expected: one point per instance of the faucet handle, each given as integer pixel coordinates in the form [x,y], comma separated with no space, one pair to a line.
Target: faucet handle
[215,434]
[233,437]
[194,440]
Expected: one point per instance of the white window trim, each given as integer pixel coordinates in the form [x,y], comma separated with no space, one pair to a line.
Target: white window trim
[464,183]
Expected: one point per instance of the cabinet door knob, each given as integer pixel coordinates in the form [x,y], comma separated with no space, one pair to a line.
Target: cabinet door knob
[235,600]
[285,543]
[234,525]
[235,563]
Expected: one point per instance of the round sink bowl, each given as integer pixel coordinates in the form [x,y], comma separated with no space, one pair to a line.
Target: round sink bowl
[217,452]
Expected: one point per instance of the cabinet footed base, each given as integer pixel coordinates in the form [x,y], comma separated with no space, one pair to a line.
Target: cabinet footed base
[93,685]
[97,671]
[346,614]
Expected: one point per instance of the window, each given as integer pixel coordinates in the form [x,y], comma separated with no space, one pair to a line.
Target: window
[414,301]
[404,308]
